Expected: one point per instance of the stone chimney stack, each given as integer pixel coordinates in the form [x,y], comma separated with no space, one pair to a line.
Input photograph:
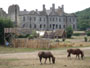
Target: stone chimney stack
[36,10]
[53,7]
[63,8]
[44,9]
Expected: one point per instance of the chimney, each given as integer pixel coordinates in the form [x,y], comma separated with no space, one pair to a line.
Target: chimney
[25,10]
[53,7]
[36,10]
[44,9]
[63,7]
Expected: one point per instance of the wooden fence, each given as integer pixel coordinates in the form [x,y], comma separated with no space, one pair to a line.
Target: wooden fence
[38,43]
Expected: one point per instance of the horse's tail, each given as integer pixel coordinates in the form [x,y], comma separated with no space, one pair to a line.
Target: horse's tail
[82,54]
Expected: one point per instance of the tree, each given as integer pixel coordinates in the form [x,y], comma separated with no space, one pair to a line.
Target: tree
[88,33]
[69,31]
[4,23]
[83,19]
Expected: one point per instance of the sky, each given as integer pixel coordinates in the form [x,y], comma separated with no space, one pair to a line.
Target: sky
[70,6]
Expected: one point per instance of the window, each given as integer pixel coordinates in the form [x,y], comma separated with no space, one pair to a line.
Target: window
[53,26]
[56,26]
[34,25]
[73,19]
[44,19]
[40,25]
[30,26]
[63,26]
[56,19]
[23,25]
[50,19]
[50,25]
[70,19]
[59,19]
[44,25]
[63,19]
[59,26]
[53,19]
[73,26]
[23,18]
[30,18]
[34,18]
[40,19]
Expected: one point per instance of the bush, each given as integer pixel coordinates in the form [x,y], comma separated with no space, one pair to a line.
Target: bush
[76,34]
[85,38]
[69,31]
[88,33]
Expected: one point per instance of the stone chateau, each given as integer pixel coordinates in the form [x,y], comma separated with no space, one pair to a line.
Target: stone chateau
[51,19]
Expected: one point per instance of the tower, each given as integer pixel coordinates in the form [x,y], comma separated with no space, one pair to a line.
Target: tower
[13,14]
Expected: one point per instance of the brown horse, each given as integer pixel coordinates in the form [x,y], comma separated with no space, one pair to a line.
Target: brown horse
[46,55]
[76,52]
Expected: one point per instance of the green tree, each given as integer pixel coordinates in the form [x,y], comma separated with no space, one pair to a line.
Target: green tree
[4,23]
[83,19]
[88,33]
[69,31]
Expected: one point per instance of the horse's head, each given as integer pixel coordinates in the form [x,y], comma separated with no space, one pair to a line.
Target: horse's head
[82,55]
[53,60]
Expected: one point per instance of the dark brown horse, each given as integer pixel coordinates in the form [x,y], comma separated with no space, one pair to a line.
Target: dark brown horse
[76,52]
[46,55]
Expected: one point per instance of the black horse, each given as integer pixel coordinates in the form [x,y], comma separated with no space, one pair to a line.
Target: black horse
[46,55]
[76,52]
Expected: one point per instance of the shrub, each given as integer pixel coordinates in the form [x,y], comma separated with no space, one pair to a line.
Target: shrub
[88,33]
[76,34]
[85,38]
[69,31]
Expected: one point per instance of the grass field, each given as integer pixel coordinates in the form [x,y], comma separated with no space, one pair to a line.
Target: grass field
[28,59]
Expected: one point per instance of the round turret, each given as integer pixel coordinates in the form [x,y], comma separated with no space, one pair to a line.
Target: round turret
[12,9]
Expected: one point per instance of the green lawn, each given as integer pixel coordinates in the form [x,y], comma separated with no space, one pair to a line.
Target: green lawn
[17,50]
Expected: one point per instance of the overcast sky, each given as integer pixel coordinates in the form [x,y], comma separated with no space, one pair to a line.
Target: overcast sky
[70,6]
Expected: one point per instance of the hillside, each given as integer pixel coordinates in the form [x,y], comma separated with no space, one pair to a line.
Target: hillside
[83,19]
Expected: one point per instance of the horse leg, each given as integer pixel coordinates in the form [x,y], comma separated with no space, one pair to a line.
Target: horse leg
[50,60]
[40,59]
[45,60]
[78,56]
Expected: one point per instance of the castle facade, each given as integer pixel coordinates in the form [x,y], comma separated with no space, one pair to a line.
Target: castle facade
[51,19]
